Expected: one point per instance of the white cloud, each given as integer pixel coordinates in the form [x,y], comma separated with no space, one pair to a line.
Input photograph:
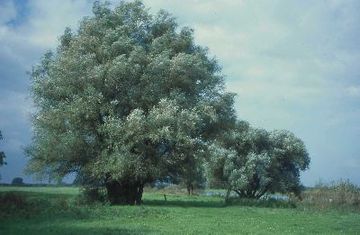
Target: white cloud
[21,45]
[48,20]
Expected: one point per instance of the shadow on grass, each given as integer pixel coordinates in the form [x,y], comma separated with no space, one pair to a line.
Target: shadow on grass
[269,203]
[40,195]
[107,231]
[69,227]
[183,203]
[261,203]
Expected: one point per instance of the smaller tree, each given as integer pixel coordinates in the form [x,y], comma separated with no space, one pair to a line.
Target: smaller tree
[289,156]
[253,162]
[17,181]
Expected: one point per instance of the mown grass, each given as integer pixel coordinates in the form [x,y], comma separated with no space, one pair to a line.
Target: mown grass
[53,210]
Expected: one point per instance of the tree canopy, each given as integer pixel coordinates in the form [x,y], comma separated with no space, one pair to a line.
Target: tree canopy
[126,99]
[253,161]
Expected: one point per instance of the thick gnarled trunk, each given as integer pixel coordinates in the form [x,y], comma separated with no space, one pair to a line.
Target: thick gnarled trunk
[125,192]
[190,188]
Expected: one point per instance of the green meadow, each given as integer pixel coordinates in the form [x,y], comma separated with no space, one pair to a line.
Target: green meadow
[56,210]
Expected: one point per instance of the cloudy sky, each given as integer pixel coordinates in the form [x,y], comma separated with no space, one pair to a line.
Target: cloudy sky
[294,65]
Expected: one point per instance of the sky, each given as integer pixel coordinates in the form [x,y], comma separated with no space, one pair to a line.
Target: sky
[293,64]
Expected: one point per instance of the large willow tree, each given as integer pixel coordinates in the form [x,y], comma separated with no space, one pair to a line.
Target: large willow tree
[126,99]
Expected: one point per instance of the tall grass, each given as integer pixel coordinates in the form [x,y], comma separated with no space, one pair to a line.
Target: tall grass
[341,195]
[17,204]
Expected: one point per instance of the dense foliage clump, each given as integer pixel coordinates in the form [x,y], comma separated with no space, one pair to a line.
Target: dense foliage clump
[126,99]
[253,162]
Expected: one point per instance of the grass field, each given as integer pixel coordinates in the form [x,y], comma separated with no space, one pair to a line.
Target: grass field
[53,210]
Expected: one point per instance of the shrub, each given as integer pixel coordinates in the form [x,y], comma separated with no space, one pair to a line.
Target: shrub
[91,195]
[13,199]
[16,204]
[20,205]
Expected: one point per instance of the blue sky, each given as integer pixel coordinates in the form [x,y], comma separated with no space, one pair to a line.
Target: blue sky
[293,64]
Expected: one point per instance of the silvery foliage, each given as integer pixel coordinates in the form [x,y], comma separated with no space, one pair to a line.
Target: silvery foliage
[253,161]
[241,175]
[128,94]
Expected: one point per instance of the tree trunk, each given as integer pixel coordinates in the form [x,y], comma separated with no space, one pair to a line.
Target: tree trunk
[227,196]
[190,189]
[125,192]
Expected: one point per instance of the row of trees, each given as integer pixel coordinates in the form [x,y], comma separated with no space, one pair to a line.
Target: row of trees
[129,98]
